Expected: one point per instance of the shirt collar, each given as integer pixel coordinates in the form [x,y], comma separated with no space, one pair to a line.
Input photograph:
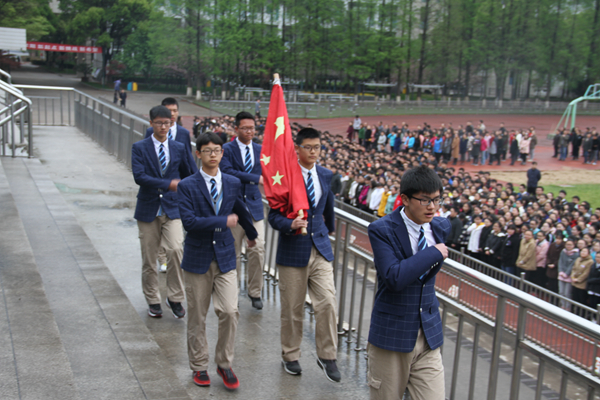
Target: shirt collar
[243,146]
[313,170]
[207,177]
[413,225]
[157,143]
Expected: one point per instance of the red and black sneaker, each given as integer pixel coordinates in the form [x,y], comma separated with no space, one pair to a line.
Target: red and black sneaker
[201,378]
[229,379]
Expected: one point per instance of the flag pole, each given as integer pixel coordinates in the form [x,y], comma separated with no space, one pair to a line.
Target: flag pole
[303,231]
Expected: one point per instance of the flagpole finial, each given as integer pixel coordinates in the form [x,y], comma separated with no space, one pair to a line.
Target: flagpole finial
[276,80]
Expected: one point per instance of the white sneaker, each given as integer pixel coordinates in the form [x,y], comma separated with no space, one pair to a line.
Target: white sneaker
[163,268]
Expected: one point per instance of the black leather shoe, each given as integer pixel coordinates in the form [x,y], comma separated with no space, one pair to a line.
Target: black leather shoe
[292,367]
[256,302]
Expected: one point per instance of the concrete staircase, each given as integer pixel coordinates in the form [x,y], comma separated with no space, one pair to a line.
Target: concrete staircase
[67,330]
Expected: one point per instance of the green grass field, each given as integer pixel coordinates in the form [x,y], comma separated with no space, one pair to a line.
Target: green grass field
[588,192]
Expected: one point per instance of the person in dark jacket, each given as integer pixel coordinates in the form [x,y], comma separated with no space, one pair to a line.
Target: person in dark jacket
[556,144]
[552,261]
[493,245]
[485,233]
[336,182]
[514,151]
[593,283]
[533,178]
[509,252]
[456,227]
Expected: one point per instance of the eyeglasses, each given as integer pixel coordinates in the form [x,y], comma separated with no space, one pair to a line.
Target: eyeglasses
[426,202]
[161,123]
[208,152]
[246,129]
[310,149]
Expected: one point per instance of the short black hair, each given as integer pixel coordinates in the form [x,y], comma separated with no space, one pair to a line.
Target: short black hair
[243,115]
[169,101]
[159,112]
[208,137]
[307,133]
[420,180]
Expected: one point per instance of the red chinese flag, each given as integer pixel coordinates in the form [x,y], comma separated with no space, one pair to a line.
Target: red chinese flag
[282,176]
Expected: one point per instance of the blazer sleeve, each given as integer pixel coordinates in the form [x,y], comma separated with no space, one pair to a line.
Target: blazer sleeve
[149,132]
[227,167]
[245,219]
[185,169]
[191,222]
[139,172]
[280,222]
[329,212]
[397,273]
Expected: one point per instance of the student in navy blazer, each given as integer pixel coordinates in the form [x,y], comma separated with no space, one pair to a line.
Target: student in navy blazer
[304,262]
[241,158]
[177,132]
[406,329]
[158,164]
[211,205]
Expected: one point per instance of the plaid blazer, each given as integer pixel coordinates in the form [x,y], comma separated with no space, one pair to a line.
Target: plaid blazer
[154,188]
[294,250]
[208,237]
[232,163]
[183,136]
[404,303]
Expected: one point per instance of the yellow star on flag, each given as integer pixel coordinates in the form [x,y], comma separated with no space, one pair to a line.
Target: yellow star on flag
[279,123]
[266,160]
[277,178]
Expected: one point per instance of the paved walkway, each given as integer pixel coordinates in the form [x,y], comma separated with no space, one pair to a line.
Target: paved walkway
[77,211]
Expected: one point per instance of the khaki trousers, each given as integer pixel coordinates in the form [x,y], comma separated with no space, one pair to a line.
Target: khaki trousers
[224,291]
[167,233]
[317,276]
[256,257]
[389,373]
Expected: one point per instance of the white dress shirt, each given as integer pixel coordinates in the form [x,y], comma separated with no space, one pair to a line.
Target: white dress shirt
[165,148]
[315,179]
[414,230]
[242,147]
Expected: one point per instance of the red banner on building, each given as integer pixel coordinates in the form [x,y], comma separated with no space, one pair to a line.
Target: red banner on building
[66,48]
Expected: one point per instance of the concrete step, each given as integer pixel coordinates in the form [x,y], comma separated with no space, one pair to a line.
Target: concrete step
[34,362]
[111,352]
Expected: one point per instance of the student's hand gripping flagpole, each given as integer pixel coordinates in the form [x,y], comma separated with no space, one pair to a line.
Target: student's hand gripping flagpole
[284,185]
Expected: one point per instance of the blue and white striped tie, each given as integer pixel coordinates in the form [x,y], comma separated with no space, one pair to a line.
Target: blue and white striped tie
[248,160]
[162,158]
[170,134]
[422,245]
[310,188]
[213,190]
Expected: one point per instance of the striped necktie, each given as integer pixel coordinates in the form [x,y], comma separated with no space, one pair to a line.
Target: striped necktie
[213,190]
[162,158]
[310,188]
[170,134]
[248,160]
[422,245]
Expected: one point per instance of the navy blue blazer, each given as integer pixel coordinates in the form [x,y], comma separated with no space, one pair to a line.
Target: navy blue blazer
[183,136]
[294,250]
[232,163]
[208,237]
[403,302]
[154,188]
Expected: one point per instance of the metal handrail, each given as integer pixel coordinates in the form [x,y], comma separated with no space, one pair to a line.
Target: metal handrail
[18,94]
[7,75]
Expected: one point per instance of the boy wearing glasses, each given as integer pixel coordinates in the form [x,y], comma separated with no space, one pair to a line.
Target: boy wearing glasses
[211,205]
[158,164]
[241,158]
[406,329]
[305,262]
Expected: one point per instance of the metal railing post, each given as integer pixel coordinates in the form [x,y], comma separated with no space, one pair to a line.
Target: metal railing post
[496,348]
[61,108]
[518,355]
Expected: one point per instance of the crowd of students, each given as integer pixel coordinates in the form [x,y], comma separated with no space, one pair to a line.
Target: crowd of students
[553,239]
